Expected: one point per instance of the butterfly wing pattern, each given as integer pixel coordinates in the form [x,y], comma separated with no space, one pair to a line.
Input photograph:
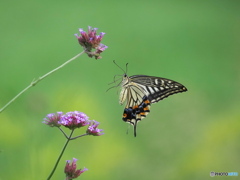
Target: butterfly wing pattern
[140,91]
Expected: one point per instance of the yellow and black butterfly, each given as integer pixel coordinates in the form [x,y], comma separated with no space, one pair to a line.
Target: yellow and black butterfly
[140,91]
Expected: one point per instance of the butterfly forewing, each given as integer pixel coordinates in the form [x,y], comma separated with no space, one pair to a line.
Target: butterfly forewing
[158,88]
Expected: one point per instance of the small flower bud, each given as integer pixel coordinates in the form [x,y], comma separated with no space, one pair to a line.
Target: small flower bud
[70,170]
[93,130]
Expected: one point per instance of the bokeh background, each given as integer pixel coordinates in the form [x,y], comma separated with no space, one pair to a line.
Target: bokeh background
[186,136]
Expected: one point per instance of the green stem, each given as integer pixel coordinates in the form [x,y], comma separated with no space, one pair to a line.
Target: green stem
[69,138]
[33,83]
[63,132]
[79,136]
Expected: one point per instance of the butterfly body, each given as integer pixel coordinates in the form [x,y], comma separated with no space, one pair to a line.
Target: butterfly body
[140,91]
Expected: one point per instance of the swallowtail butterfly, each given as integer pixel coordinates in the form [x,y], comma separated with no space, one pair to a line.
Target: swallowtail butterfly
[140,91]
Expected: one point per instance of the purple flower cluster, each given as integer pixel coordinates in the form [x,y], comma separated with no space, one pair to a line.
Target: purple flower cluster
[90,40]
[93,130]
[70,170]
[74,120]
[52,119]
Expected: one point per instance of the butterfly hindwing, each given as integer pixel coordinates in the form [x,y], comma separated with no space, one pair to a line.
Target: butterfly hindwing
[141,91]
[136,113]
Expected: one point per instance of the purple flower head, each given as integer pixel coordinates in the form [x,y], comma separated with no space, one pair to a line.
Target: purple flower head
[93,130]
[74,120]
[90,40]
[70,170]
[52,119]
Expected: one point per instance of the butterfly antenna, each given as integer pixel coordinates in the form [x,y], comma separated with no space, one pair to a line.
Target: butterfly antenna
[125,72]
[126,68]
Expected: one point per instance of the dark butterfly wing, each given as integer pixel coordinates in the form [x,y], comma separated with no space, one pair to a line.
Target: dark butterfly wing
[158,88]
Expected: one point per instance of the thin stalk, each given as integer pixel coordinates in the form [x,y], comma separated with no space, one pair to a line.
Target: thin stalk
[63,132]
[34,82]
[54,168]
[79,136]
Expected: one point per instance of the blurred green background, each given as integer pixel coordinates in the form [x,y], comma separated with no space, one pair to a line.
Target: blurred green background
[186,136]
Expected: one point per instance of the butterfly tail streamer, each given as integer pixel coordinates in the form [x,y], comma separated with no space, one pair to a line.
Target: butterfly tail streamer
[135,129]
